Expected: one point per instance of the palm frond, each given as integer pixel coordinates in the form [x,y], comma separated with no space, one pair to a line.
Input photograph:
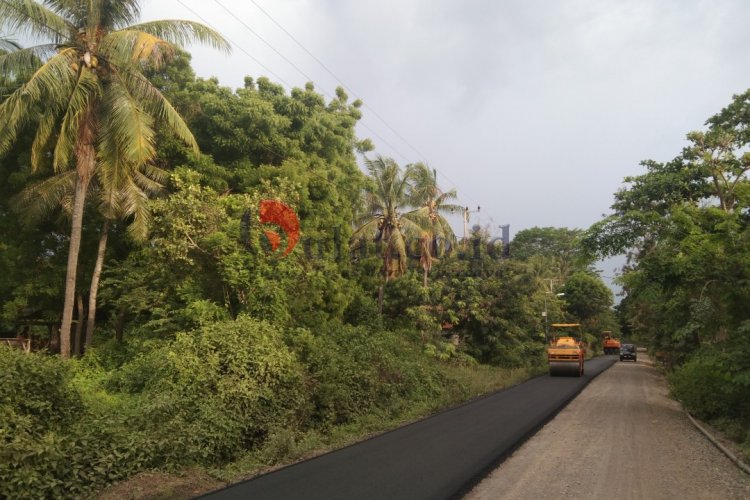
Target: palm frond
[49,87]
[127,125]
[410,228]
[23,62]
[8,44]
[148,184]
[141,220]
[52,83]
[367,231]
[35,20]
[182,33]
[159,107]
[419,216]
[44,131]
[87,87]
[127,47]
[154,173]
[40,199]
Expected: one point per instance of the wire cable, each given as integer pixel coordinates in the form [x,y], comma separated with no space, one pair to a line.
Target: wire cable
[308,77]
[354,94]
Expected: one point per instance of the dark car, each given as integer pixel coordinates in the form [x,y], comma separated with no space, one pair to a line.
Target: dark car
[628,351]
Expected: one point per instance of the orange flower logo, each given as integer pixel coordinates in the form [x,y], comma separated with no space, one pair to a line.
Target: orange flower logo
[279,214]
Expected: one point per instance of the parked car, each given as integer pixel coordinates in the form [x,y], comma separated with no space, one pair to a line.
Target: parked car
[628,351]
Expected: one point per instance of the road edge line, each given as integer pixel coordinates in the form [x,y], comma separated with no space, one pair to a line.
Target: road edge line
[731,456]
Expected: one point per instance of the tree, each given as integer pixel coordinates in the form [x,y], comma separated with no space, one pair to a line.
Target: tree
[429,201]
[586,296]
[95,104]
[557,242]
[383,222]
[685,225]
[121,192]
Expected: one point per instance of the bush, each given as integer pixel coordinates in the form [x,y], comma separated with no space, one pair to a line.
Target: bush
[36,386]
[715,382]
[355,370]
[50,445]
[215,392]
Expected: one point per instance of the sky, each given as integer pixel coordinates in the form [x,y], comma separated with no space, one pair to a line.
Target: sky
[534,110]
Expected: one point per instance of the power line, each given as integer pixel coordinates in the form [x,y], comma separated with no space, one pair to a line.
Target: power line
[308,77]
[236,45]
[374,112]
[332,74]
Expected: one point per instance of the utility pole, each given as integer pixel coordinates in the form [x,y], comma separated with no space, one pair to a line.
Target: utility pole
[546,326]
[466,219]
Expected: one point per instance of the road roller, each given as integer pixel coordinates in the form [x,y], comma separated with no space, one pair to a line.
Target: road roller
[610,344]
[566,352]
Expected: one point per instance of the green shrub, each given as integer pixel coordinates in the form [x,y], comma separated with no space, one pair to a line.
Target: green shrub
[37,386]
[355,370]
[217,391]
[715,382]
[51,446]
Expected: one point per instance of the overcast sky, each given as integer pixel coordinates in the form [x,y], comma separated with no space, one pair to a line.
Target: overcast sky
[534,109]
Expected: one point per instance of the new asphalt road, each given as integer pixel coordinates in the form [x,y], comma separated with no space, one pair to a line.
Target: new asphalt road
[440,457]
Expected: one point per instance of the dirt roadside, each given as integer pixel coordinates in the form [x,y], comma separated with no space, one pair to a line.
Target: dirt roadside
[622,437]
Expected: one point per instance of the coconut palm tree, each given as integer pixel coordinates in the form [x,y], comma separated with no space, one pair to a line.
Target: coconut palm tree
[87,95]
[120,191]
[430,201]
[384,221]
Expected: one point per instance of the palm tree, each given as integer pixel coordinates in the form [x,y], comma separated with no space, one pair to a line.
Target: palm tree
[430,201]
[89,93]
[121,191]
[383,222]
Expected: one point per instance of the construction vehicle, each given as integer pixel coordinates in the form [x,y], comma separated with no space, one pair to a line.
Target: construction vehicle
[566,351]
[610,344]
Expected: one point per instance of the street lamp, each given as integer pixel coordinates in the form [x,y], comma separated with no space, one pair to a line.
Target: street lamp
[546,327]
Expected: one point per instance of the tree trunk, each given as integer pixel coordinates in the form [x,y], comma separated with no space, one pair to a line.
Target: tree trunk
[70,279]
[79,327]
[91,318]
[85,154]
[120,326]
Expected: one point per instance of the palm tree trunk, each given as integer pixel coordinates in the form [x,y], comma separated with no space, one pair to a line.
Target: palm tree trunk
[91,318]
[70,279]
[79,327]
[85,154]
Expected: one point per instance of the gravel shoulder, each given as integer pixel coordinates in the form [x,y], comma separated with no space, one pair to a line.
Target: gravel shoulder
[622,437]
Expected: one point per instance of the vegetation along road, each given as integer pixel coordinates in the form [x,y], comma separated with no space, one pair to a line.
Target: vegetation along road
[622,437]
[439,457]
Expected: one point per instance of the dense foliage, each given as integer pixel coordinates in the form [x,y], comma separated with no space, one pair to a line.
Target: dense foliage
[686,224]
[210,346]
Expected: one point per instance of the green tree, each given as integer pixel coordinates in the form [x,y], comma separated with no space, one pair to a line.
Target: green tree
[384,222]
[95,104]
[120,191]
[429,201]
[685,225]
[587,297]
[493,304]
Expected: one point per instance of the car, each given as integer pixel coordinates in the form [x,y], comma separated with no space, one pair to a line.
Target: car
[628,351]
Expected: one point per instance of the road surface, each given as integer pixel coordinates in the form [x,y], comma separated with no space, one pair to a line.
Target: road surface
[436,458]
[622,437]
